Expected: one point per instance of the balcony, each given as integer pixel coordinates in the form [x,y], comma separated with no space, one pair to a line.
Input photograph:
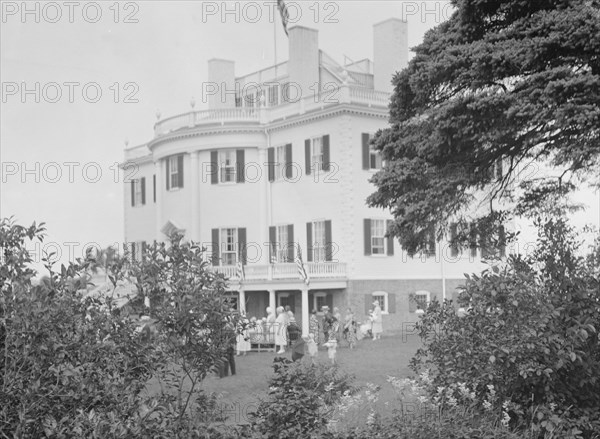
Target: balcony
[343,94]
[262,273]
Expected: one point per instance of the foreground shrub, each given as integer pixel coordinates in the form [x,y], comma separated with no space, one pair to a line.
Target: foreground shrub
[531,332]
[301,400]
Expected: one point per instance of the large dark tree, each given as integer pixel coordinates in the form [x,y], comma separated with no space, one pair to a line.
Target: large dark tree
[515,81]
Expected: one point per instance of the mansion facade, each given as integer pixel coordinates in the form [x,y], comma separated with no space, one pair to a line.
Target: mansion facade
[277,169]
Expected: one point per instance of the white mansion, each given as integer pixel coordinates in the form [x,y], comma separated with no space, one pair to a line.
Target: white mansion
[282,164]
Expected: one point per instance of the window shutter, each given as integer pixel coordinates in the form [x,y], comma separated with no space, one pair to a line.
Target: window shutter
[243,249]
[290,243]
[215,247]
[154,187]
[367,236]
[288,160]
[143,183]
[326,153]
[133,251]
[412,303]
[502,241]
[473,240]
[272,243]
[143,249]
[133,192]
[214,167]
[168,179]
[271,163]
[309,242]
[368,303]
[366,153]
[391,303]
[240,165]
[453,246]
[180,170]
[307,156]
[328,242]
[390,240]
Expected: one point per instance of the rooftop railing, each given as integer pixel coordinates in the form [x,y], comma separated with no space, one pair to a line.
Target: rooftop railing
[256,272]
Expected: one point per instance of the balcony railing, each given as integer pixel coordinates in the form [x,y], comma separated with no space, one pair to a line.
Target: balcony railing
[254,272]
[343,94]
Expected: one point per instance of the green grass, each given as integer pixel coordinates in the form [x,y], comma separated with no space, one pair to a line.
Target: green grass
[370,362]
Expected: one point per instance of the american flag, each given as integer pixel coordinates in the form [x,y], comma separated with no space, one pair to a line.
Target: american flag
[285,15]
[301,270]
[240,273]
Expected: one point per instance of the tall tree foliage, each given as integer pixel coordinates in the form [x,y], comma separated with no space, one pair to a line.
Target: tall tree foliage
[512,80]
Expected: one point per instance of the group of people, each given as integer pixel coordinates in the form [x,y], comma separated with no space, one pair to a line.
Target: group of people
[280,328]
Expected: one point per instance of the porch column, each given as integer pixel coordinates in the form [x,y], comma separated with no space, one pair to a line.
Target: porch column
[305,317]
[272,301]
[242,300]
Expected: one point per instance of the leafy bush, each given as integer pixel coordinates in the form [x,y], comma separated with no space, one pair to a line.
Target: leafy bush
[300,400]
[76,366]
[531,331]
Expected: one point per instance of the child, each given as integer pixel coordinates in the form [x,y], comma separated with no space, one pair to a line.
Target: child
[331,346]
[313,349]
[298,349]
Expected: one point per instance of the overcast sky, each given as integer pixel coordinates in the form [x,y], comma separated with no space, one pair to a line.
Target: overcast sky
[154,56]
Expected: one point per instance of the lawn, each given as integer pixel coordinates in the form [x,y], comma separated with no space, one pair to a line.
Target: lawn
[370,362]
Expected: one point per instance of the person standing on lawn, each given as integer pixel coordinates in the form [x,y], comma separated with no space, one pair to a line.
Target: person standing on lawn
[338,317]
[228,362]
[314,326]
[377,327]
[281,324]
[350,328]
[327,322]
[243,336]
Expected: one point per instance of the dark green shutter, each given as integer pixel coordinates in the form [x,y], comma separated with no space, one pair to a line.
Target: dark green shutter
[271,163]
[154,187]
[133,251]
[180,170]
[367,236]
[242,246]
[215,247]
[288,160]
[502,241]
[290,243]
[133,192]
[453,246]
[391,303]
[390,239]
[307,156]
[272,243]
[309,242]
[412,303]
[143,183]
[214,167]
[326,153]
[366,152]
[328,242]
[168,179]
[240,165]
[143,249]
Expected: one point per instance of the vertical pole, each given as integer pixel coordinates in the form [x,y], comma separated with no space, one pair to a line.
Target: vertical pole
[242,300]
[305,310]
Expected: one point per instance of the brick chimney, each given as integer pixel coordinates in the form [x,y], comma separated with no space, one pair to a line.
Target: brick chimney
[390,51]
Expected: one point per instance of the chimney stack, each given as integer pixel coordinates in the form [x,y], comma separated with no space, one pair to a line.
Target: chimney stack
[390,51]
[303,64]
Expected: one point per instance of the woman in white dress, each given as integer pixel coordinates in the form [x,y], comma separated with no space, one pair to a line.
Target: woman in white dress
[377,327]
[243,336]
[281,324]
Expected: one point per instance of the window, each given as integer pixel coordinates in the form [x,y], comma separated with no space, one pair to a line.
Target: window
[319,241]
[282,240]
[273,95]
[286,299]
[371,157]
[138,191]
[382,298]
[238,101]
[316,152]
[137,250]
[227,166]
[320,300]
[377,237]
[175,172]
[280,162]
[229,241]
[422,298]
[233,301]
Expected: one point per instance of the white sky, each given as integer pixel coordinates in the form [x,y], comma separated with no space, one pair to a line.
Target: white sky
[165,56]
